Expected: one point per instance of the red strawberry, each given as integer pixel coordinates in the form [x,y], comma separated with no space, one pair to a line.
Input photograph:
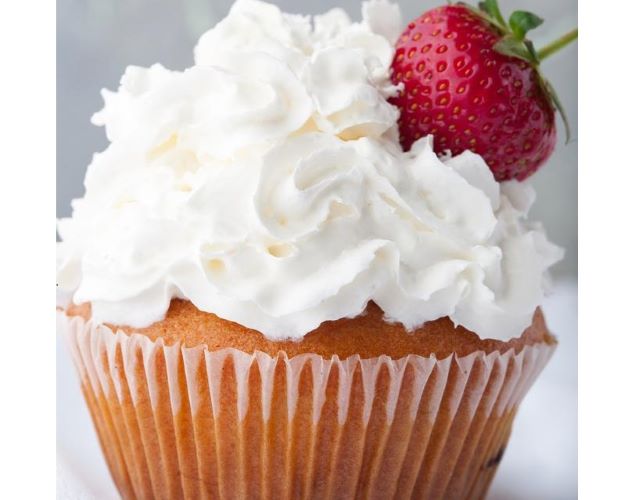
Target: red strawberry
[473,83]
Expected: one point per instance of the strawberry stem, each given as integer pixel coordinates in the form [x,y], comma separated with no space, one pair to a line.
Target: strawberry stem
[556,45]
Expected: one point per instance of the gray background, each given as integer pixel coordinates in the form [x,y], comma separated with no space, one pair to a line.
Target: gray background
[97,39]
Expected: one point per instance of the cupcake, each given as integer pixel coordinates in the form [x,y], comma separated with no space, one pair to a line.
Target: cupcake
[271,298]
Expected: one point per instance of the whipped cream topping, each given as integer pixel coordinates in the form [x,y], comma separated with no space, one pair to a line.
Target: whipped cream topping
[266,184]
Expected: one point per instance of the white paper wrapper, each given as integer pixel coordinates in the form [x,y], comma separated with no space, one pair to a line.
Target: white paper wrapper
[179,422]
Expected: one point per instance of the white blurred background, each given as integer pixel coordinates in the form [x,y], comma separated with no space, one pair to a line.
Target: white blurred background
[97,39]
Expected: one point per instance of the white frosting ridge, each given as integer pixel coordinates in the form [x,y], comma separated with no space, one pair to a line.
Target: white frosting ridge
[266,185]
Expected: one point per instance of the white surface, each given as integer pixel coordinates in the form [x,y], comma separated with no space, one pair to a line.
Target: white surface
[540,462]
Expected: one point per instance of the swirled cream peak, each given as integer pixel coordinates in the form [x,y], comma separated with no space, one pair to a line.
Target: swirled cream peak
[266,185]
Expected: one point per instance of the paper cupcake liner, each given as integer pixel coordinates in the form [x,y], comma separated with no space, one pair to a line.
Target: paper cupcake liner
[176,422]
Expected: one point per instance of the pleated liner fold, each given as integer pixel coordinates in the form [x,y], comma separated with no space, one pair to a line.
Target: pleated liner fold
[176,422]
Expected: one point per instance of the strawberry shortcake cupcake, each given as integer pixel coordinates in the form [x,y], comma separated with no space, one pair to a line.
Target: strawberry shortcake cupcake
[283,285]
